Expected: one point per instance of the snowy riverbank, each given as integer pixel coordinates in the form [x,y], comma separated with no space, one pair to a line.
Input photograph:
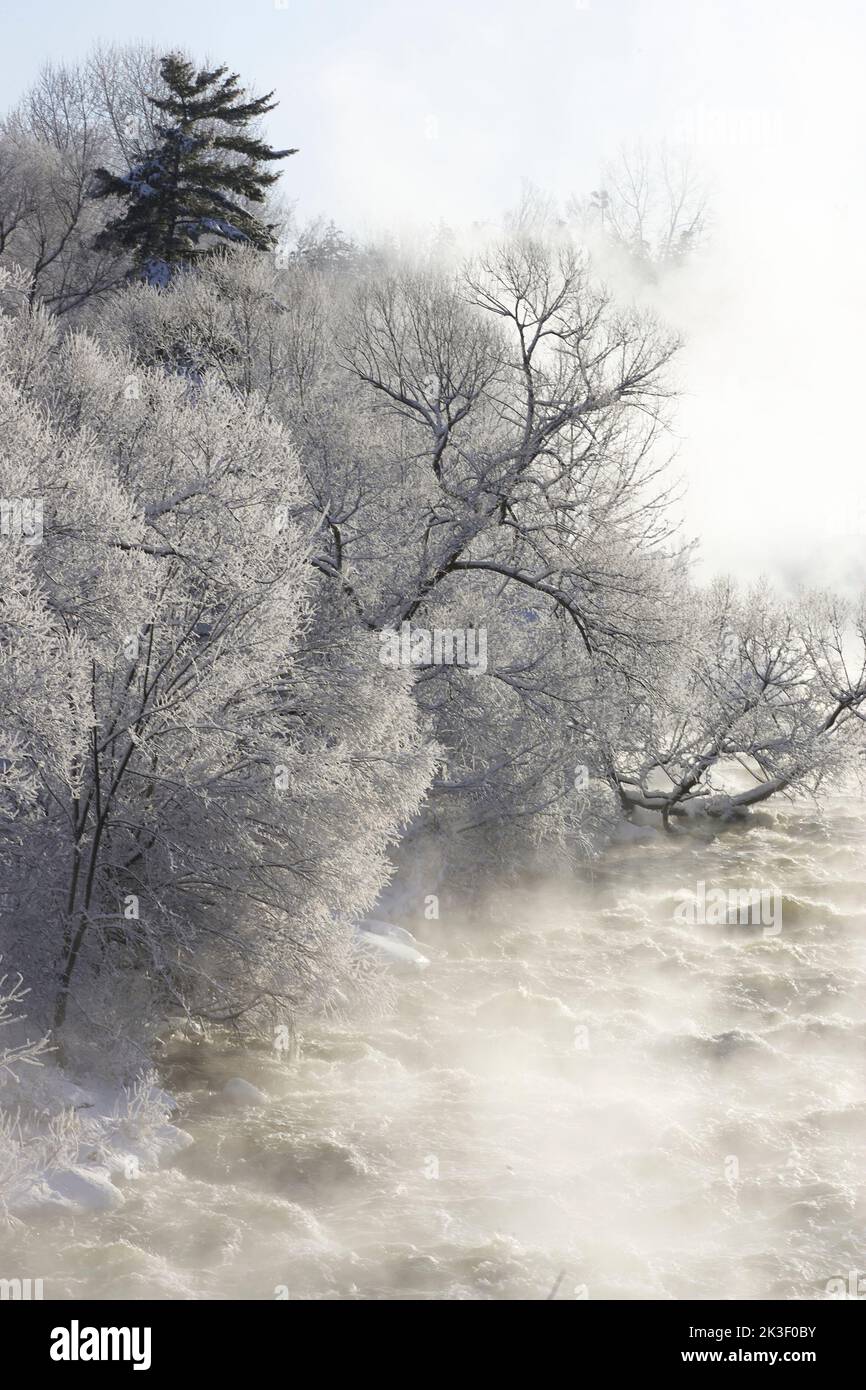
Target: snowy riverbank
[75,1148]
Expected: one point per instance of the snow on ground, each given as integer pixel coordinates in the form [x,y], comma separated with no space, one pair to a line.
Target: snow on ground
[73,1147]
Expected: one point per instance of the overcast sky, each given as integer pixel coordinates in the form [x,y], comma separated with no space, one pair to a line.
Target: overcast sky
[409,112]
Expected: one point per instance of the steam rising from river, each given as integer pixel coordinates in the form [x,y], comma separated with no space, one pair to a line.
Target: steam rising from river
[582,1086]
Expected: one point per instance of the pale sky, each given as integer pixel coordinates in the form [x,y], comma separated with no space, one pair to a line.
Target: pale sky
[408,112]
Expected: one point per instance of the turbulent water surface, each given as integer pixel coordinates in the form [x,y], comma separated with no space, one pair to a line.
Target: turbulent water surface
[582,1087]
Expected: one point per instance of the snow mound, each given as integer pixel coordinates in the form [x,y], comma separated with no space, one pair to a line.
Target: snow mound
[240,1092]
[394,942]
[88,1188]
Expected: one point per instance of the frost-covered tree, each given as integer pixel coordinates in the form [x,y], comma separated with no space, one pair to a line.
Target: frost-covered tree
[322,246]
[196,184]
[203,766]
[527,412]
[649,213]
[73,118]
[16,1055]
[775,689]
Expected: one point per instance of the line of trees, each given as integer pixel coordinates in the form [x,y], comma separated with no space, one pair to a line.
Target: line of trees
[252,466]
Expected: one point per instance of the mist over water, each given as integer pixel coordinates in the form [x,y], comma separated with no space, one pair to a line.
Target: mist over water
[579,1086]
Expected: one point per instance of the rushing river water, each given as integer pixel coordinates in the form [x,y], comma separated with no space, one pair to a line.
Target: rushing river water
[585,1087]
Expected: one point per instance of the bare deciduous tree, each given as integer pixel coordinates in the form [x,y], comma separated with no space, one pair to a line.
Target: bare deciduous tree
[651,204]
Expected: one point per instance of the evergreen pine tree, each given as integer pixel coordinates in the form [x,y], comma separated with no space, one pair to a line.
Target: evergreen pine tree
[199,179]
